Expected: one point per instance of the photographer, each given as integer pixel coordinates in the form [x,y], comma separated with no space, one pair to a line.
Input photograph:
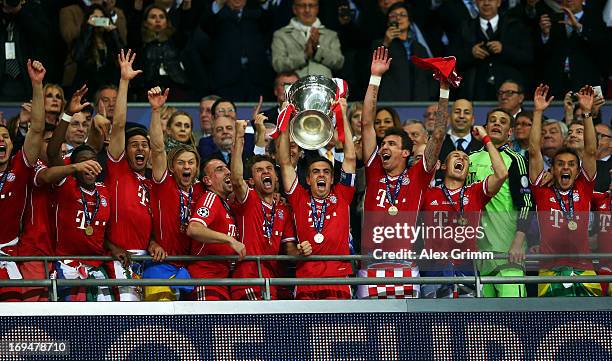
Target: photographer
[571,46]
[23,34]
[95,49]
[73,19]
[404,81]
[490,49]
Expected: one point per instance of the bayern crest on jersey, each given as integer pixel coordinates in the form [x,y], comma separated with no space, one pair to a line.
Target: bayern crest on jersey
[333,199]
[466,200]
[103,202]
[202,212]
[10,177]
[576,196]
[280,214]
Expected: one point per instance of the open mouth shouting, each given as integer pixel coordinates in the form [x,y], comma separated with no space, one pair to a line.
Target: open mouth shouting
[385,156]
[3,150]
[227,181]
[321,185]
[140,160]
[186,176]
[267,182]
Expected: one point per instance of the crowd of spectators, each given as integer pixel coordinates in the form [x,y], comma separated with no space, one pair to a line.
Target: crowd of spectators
[233,48]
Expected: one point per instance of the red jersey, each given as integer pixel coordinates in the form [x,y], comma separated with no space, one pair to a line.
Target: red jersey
[414,182]
[555,236]
[13,194]
[213,213]
[438,212]
[131,215]
[166,206]
[602,206]
[71,222]
[335,227]
[37,238]
[252,228]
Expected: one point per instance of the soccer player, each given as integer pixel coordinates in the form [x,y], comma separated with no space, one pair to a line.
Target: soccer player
[457,207]
[83,210]
[131,219]
[602,206]
[563,207]
[321,214]
[265,225]
[505,220]
[392,187]
[15,173]
[213,229]
[173,195]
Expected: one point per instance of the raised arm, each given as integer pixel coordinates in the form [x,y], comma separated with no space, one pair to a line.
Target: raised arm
[380,64]
[33,139]
[237,175]
[53,175]
[432,149]
[589,159]
[260,129]
[59,134]
[288,173]
[500,171]
[117,137]
[349,165]
[157,99]
[536,161]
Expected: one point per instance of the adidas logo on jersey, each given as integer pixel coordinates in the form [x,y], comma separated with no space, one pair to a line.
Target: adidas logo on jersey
[434,203]
[603,206]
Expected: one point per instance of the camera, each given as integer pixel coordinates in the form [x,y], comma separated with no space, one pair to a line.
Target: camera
[394,24]
[100,21]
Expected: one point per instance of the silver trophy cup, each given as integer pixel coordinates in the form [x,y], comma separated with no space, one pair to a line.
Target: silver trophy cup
[312,97]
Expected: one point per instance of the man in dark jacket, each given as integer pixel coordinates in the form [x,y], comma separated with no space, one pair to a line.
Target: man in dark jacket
[23,36]
[489,50]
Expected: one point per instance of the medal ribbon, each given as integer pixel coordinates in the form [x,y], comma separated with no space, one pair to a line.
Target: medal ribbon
[318,222]
[89,219]
[268,223]
[569,215]
[450,199]
[3,180]
[396,190]
[185,209]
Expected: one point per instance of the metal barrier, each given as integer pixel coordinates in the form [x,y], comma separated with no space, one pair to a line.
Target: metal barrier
[266,283]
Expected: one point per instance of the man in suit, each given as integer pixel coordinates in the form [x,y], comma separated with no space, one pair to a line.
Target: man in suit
[460,137]
[489,50]
[305,46]
[240,32]
[223,131]
[571,48]
[452,13]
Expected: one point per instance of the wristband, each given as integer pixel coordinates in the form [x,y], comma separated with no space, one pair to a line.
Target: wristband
[65,117]
[444,93]
[375,80]
[486,139]
[587,115]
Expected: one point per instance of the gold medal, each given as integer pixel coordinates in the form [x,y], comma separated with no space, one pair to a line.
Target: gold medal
[318,238]
[572,225]
[462,221]
[89,230]
[392,210]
